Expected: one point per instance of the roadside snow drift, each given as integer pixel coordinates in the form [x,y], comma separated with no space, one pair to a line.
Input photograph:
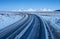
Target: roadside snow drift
[6,20]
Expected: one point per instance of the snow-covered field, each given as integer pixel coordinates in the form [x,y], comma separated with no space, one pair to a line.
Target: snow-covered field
[54,24]
[54,20]
[6,20]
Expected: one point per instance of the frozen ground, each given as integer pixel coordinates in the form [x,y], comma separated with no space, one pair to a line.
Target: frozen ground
[54,21]
[6,20]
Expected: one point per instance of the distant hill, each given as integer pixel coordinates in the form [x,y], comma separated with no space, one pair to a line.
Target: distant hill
[57,10]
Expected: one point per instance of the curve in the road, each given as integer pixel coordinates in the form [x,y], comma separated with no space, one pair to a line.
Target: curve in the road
[4,33]
[31,27]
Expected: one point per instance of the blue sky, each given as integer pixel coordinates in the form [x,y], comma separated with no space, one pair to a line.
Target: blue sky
[26,4]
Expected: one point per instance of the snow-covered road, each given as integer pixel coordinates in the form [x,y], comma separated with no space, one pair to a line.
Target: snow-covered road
[53,21]
[32,26]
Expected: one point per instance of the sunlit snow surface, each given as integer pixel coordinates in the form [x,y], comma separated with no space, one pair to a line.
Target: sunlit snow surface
[54,21]
[6,20]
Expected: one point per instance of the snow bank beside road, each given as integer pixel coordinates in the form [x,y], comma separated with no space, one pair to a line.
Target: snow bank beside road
[52,19]
[6,20]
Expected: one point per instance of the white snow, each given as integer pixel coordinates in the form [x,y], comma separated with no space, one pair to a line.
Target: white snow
[31,9]
[54,21]
[45,9]
[6,20]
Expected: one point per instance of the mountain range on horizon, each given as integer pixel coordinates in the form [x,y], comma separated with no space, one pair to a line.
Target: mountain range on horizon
[31,9]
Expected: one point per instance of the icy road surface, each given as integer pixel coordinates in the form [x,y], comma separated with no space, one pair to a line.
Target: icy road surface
[6,20]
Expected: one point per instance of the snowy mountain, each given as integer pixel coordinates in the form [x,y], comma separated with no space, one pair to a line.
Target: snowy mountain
[34,10]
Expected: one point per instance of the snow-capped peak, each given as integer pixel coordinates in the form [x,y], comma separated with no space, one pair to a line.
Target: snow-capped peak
[30,9]
[45,9]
